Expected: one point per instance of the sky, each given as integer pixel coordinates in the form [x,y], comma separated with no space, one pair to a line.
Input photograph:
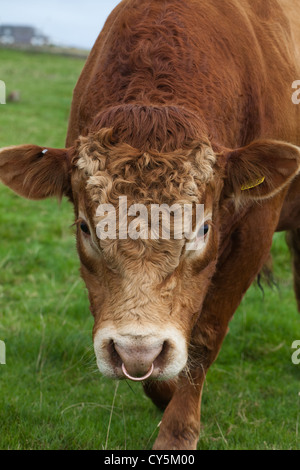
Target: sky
[66,22]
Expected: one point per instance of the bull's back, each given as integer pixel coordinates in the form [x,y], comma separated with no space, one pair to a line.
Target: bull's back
[232,62]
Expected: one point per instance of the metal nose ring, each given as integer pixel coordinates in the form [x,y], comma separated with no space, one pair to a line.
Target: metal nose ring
[137,379]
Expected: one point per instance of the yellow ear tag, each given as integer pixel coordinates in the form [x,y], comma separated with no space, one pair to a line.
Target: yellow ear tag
[253,184]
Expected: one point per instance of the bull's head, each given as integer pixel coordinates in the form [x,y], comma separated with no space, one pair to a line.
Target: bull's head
[146,294]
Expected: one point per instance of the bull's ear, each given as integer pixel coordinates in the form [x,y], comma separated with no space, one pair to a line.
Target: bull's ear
[36,172]
[261,169]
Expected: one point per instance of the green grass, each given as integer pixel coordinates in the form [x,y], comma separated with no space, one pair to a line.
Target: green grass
[51,395]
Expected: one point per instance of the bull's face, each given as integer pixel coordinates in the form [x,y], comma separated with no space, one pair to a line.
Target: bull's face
[146,293]
[146,284]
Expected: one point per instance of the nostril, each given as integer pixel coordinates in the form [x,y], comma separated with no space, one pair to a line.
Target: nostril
[115,357]
[160,360]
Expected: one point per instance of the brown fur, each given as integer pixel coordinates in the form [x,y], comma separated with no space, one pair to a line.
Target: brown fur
[180,101]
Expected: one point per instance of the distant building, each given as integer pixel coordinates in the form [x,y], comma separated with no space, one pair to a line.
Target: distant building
[22,35]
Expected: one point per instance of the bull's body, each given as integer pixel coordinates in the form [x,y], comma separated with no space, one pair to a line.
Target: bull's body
[234,65]
[229,65]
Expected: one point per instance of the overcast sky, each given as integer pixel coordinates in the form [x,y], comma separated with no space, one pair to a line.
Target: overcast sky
[66,22]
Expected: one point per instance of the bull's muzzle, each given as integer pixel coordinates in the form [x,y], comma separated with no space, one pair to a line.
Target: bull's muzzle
[138,362]
[137,358]
[152,355]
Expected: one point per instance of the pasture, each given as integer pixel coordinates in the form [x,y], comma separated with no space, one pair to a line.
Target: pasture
[51,395]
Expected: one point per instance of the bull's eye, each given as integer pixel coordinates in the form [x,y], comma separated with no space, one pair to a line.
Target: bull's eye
[85,228]
[203,231]
[200,236]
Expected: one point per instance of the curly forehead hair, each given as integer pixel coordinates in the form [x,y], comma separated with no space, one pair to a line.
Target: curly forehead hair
[152,156]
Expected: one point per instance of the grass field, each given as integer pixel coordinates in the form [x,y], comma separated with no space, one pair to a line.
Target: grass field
[51,395]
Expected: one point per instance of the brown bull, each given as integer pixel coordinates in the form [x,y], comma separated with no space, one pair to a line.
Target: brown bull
[185,102]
